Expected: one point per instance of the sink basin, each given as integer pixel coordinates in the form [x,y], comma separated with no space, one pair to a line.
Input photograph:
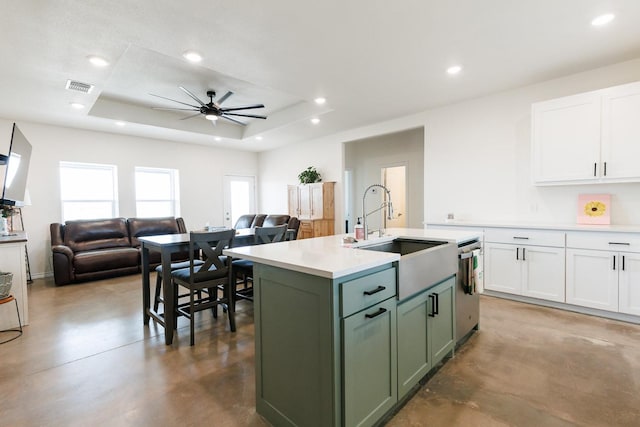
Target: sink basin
[423,263]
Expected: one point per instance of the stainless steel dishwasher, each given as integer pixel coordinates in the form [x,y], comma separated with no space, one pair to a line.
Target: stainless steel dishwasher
[467,297]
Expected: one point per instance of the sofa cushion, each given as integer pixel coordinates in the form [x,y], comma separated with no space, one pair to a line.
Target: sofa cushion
[105,259]
[88,235]
[140,227]
[274,220]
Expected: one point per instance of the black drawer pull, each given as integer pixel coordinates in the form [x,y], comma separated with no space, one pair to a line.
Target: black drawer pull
[620,243]
[375,291]
[433,306]
[437,309]
[520,238]
[376,314]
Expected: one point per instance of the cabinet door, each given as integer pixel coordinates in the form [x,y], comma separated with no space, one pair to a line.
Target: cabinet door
[621,132]
[414,354]
[592,280]
[502,268]
[370,370]
[293,198]
[442,328]
[629,283]
[305,202]
[543,272]
[566,139]
[316,197]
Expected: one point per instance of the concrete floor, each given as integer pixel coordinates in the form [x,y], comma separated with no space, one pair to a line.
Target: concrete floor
[86,359]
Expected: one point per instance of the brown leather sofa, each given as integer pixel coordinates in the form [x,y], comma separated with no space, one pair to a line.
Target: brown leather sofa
[86,250]
[261,220]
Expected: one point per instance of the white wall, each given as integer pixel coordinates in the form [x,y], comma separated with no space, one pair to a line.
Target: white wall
[477,157]
[201,172]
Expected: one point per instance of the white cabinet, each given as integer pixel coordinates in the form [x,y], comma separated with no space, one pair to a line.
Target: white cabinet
[587,138]
[525,262]
[12,260]
[603,271]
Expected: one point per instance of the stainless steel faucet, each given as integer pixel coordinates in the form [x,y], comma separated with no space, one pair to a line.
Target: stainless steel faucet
[386,204]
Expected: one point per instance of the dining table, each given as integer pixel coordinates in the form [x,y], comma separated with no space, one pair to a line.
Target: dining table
[166,245]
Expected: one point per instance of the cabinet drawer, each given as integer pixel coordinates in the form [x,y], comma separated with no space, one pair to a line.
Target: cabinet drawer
[366,291]
[519,236]
[625,242]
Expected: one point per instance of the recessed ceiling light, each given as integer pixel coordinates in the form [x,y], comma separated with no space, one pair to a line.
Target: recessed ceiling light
[259,138]
[211,117]
[77,105]
[192,56]
[454,69]
[119,123]
[601,20]
[98,61]
[320,100]
[315,120]
[217,138]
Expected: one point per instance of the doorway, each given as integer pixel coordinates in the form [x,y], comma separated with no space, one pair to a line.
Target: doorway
[395,179]
[239,197]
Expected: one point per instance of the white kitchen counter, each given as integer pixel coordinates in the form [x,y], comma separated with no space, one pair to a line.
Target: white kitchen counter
[630,228]
[330,257]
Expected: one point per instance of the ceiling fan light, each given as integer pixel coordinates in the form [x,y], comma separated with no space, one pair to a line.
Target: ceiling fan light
[320,101]
[212,117]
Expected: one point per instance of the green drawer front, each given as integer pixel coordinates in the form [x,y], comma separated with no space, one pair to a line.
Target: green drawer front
[366,291]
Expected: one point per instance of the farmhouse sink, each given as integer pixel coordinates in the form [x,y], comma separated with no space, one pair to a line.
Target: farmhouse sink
[423,263]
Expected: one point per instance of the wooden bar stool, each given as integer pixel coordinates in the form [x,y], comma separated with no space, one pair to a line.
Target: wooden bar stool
[19,329]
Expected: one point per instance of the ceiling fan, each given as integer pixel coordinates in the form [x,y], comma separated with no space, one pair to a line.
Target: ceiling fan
[212,110]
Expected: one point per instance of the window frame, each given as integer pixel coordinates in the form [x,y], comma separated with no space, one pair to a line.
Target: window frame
[115,207]
[174,189]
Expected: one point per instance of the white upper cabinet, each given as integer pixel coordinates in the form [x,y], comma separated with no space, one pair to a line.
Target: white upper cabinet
[591,137]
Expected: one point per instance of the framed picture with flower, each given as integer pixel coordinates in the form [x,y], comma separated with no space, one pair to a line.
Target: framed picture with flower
[594,209]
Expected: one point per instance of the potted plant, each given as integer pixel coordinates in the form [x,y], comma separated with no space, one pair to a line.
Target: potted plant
[309,176]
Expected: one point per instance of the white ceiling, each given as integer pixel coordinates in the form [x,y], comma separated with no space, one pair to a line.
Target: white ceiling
[373,60]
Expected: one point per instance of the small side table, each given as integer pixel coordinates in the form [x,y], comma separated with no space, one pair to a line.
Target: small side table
[7,300]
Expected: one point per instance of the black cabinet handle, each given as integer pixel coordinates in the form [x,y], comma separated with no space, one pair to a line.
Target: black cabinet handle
[614,262]
[520,238]
[437,308]
[433,305]
[517,254]
[605,168]
[622,262]
[594,169]
[375,291]
[376,314]
[523,256]
[620,243]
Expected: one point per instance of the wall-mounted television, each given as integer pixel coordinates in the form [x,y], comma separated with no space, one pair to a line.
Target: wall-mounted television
[16,169]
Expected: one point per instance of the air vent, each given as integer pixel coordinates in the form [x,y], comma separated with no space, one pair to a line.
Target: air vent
[79,86]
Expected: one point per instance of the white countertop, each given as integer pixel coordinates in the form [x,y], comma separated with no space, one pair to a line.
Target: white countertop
[331,258]
[13,237]
[629,228]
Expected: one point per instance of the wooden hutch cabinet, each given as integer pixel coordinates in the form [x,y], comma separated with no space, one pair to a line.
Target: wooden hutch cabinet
[313,204]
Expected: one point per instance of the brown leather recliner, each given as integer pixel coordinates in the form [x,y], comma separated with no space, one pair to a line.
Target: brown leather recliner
[274,220]
[96,249]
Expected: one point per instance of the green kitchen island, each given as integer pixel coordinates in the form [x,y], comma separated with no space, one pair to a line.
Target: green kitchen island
[334,345]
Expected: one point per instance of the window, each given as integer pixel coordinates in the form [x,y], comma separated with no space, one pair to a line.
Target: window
[157,192]
[88,191]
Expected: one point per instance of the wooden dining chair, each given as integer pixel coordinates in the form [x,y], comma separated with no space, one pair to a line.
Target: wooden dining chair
[204,280]
[243,268]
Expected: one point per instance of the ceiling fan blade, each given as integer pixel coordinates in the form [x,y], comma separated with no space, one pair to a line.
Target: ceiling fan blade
[246,107]
[179,109]
[169,99]
[193,115]
[224,98]
[195,98]
[244,115]
[233,120]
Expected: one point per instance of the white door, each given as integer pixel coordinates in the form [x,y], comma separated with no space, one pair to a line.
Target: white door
[592,280]
[502,268]
[543,275]
[239,197]
[630,283]
[395,178]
